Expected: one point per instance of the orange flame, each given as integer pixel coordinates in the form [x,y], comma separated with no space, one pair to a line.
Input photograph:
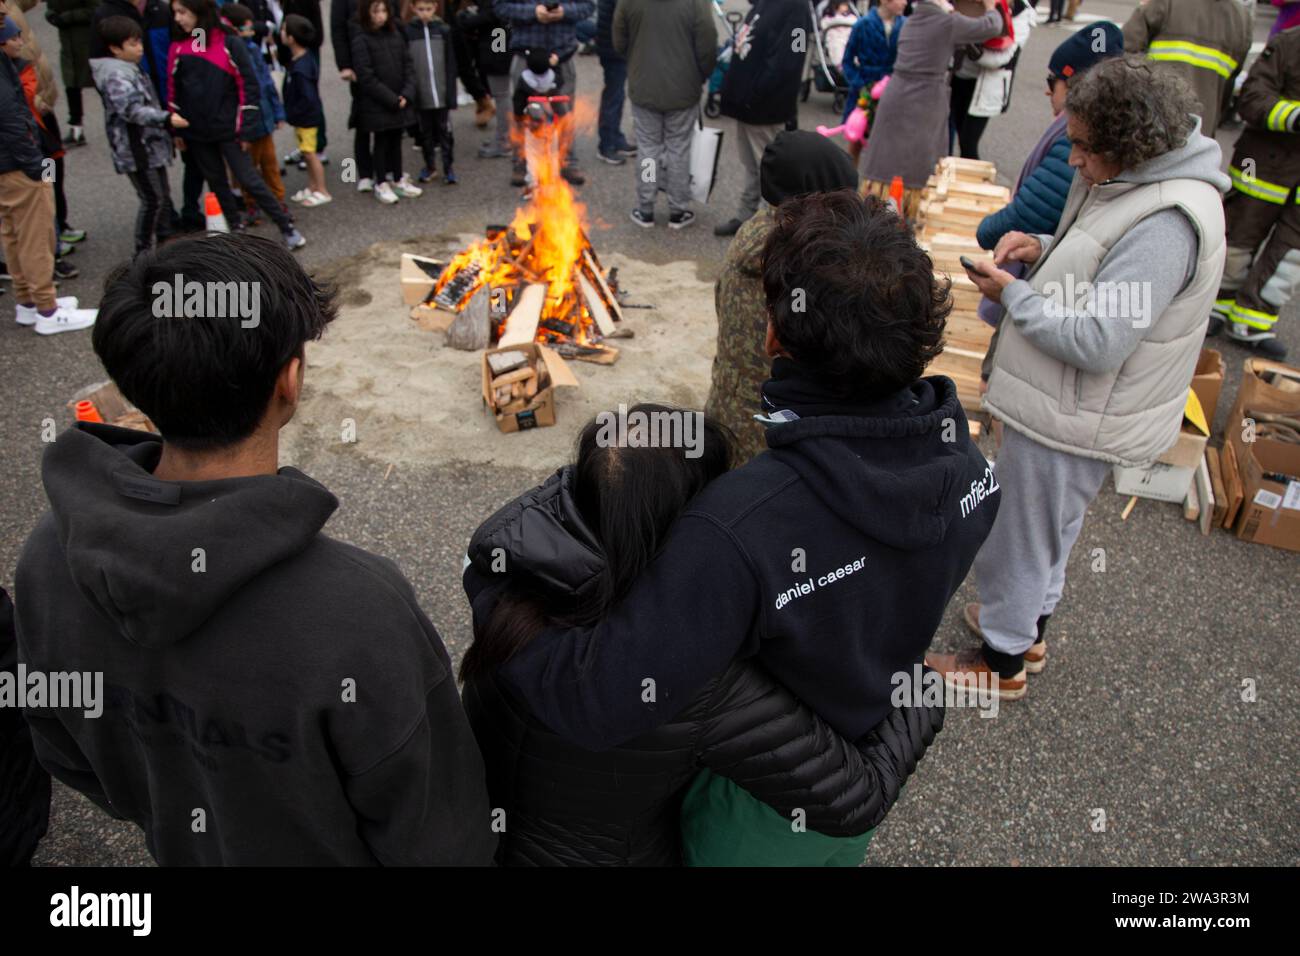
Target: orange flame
[551,227]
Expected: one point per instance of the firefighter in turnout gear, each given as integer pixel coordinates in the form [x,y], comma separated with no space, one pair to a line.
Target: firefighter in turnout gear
[1203,41]
[1263,207]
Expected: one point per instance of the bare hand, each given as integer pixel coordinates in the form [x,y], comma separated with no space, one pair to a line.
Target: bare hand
[990,280]
[178,143]
[348,75]
[543,15]
[1017,247]
[177,121]
[401,102]
[243,145]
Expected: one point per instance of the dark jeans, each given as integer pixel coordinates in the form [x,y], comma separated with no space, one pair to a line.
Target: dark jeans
[435,134]
[213,158]
[152,188]
[74,105]
[388,155]
[191,190]
[1055,9]
[611,105]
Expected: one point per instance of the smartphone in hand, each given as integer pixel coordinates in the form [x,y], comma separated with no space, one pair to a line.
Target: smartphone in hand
[969,265]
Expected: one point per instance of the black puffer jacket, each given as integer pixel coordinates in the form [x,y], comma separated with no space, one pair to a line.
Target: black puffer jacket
[479,22]
[568,806]
[384,73]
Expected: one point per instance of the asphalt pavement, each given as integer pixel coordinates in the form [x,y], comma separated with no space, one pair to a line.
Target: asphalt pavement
[1134,746]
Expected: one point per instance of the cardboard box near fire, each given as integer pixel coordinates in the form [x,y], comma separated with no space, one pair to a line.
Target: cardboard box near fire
[519,383]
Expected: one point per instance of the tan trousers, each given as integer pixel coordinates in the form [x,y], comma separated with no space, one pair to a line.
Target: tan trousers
[262,153]
[27,232]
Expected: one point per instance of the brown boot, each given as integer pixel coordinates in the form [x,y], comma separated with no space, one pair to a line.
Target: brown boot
[1035,657]
[1072,8]
[968,672]
[484,111]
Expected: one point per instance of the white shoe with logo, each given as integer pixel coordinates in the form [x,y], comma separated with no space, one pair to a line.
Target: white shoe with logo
[66,320]
[28,314]
[384,193]
[365,185]
[407,189]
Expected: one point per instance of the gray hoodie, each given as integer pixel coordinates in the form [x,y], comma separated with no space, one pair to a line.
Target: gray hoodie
[1157,256]
[272,696]
[138,134]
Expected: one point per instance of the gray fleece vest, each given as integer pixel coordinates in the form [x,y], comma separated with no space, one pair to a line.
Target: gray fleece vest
[1132,414]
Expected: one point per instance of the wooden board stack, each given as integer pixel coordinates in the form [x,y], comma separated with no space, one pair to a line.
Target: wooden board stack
[957,197]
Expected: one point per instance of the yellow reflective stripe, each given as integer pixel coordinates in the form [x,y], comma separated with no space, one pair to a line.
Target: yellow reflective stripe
[1207,58]
[1258,188]
[1279,116]
[1253,317]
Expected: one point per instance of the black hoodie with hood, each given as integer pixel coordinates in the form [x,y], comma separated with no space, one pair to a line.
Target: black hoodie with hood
[283,683]
[830,557]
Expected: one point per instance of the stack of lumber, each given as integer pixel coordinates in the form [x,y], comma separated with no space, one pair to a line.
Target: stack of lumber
[960,194]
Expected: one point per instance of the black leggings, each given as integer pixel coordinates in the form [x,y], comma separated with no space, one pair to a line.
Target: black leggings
[968,129]
[1055,9]
[213,158]
[74,105]
[435,133]
[152,188]
[388,155]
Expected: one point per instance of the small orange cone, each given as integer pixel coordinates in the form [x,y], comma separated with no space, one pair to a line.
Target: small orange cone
[87,412]
[216,219]
[896,194]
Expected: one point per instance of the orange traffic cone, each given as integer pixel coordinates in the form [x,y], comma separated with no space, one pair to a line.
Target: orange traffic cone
[216,219]
[896,194]
[87,412]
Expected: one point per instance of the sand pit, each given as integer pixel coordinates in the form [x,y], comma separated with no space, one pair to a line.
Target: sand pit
[412,400]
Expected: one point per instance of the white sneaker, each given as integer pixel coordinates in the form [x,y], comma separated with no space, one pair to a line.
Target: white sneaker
[365,185]
[384,193]
[302,195]
[406,189]
[28,314]
[317,199]
[66,320]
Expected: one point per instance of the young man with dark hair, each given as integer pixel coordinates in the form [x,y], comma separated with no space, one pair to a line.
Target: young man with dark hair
[271,695]
[831,556]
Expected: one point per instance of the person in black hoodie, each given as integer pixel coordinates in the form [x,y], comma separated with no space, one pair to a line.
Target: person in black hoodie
[574,546]
[271,695]
[761,89]
[489,56]
[831,556]
[24,783]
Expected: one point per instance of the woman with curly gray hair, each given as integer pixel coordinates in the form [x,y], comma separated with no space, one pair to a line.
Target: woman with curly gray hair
[1092,369]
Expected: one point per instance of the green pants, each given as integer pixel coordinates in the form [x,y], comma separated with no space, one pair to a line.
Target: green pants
[722,825]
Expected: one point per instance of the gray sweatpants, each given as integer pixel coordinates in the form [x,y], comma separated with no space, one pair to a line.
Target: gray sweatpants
[501,90]
[750,143]
[1020,571]
[663,156]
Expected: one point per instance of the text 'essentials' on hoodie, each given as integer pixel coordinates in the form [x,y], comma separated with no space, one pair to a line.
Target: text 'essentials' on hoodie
[831,557]
[279,687]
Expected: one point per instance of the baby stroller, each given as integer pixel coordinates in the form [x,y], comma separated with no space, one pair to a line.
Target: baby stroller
[731,19]
[831,31]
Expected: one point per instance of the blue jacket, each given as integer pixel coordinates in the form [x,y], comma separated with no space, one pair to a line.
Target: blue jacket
[869,54]
[272,110]
[1037,204]
[302,103]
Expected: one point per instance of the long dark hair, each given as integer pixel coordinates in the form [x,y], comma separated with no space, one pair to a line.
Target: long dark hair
[205,12]
[629,497]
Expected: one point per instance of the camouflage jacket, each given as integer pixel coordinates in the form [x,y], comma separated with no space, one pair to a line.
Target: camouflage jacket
[741,365]
[137,126]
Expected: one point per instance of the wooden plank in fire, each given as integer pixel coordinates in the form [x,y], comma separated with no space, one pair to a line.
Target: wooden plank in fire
[595,306]
[521,325]
[593,266]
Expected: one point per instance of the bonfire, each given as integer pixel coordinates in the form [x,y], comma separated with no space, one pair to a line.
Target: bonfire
[539,277]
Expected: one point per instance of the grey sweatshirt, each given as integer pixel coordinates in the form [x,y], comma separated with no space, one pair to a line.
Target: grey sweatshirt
[1156,259]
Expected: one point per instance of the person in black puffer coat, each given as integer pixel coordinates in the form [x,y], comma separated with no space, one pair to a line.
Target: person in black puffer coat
[385,87]
[572,547]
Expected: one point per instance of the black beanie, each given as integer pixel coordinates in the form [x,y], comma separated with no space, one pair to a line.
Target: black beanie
[1088,47]
[539,61]
[799,162]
